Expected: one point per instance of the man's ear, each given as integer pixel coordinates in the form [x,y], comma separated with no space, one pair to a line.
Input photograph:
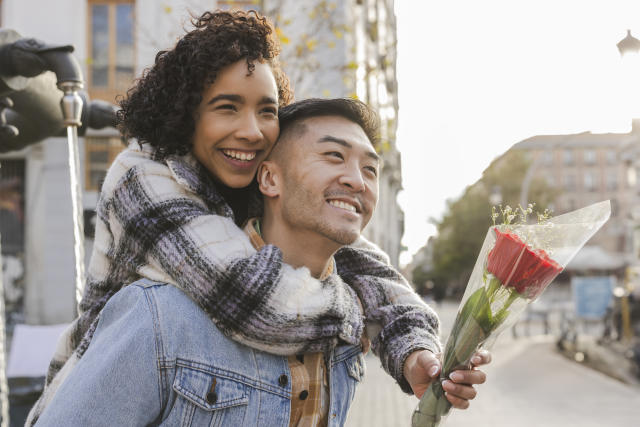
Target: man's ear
[269,178]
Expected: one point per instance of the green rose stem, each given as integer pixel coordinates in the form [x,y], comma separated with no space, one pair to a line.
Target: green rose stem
[472,327]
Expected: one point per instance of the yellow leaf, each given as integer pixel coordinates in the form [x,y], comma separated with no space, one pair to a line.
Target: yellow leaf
[352,65]
[326,93]
[311,44]
[353,95]
[287,22]
[331,45]
[332,6]
[337,33]
[167,9]
[89,61]
[283,39]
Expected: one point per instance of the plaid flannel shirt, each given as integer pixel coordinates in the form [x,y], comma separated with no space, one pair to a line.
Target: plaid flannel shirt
[164,220]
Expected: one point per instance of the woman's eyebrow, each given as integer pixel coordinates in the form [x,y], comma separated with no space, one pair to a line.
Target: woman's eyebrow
[239,98]
[226,97]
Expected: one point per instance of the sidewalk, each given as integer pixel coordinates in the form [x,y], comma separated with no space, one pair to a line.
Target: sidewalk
[614,358]
[529,384]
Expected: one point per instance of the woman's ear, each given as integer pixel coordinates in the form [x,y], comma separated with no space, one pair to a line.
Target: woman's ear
[269,178]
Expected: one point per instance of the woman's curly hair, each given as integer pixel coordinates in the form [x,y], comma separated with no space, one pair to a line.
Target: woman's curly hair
[159,109]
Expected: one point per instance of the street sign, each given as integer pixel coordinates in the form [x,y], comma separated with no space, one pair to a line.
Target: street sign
[592,295]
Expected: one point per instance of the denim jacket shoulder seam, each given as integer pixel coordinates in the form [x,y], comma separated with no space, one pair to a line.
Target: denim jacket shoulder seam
[159,347]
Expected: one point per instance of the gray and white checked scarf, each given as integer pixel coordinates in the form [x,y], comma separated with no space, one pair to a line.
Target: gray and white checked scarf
[164,220]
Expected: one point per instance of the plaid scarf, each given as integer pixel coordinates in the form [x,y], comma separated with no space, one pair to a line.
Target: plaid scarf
[164,220]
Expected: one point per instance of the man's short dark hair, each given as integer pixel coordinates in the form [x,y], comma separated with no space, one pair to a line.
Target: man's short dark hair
[351,109]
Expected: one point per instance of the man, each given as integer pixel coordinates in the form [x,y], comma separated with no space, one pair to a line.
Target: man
[156,357]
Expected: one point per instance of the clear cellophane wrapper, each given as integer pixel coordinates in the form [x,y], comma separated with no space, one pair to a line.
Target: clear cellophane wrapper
[515,265]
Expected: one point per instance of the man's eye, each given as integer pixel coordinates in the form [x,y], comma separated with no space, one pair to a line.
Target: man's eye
[270,110]
[373,170]
[336,154]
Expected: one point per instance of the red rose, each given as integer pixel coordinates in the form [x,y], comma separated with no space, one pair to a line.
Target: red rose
[516,265]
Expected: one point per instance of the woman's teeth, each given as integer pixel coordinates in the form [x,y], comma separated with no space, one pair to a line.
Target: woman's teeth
[240,155]
[342,205]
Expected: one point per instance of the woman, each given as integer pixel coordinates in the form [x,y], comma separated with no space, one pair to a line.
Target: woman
[171,205]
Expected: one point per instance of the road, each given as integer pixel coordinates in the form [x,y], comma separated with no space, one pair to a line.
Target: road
[529,384]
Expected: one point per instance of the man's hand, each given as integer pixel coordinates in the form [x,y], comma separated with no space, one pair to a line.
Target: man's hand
[422,367]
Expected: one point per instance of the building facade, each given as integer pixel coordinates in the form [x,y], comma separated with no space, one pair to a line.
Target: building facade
[586,168]
[330,49]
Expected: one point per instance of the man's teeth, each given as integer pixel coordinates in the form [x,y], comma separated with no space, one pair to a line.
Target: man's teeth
[240,155]
[342,205]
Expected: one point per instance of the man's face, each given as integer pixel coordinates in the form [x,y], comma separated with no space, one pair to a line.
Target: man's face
[330,179]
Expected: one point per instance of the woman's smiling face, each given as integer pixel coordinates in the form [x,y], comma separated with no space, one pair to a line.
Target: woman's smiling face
[236,123]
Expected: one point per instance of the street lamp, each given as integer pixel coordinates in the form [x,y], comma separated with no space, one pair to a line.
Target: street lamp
[628,45]
[629,48]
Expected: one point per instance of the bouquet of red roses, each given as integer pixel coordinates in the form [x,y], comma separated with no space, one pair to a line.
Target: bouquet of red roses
[516,264]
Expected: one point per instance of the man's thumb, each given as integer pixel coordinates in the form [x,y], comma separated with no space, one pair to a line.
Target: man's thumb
[434,370]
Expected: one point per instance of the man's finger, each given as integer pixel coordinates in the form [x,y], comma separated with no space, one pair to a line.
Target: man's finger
[468,377]
[429,363]
[464,392]
[482,357]
[456,401]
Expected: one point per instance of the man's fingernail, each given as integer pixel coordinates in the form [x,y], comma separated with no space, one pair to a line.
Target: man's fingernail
[456,376]
[476,360]
[433,371]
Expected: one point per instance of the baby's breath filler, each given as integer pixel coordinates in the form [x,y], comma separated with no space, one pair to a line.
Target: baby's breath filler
[517,216]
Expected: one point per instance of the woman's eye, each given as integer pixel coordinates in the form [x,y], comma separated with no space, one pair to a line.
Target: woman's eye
[229,107]
[270,110]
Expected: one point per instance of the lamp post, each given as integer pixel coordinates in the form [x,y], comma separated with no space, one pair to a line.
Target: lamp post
[629,48]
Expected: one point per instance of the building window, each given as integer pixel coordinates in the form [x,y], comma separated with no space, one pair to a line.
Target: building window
[547,158]
[12,206]
[570,182]
[111,48]
[99,154]
[611,157]
[612,180]
[589,157]
[589,181]
[568,157]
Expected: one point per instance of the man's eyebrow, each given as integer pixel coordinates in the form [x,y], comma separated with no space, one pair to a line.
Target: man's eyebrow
[268,100]
[329,138]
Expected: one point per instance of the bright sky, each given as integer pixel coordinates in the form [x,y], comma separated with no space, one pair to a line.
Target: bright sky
[475,77]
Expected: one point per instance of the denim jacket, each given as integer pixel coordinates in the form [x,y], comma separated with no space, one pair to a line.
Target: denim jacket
[157,359]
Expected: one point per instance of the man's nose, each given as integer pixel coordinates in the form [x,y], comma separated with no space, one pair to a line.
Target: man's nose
[249,129]
[352,178]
